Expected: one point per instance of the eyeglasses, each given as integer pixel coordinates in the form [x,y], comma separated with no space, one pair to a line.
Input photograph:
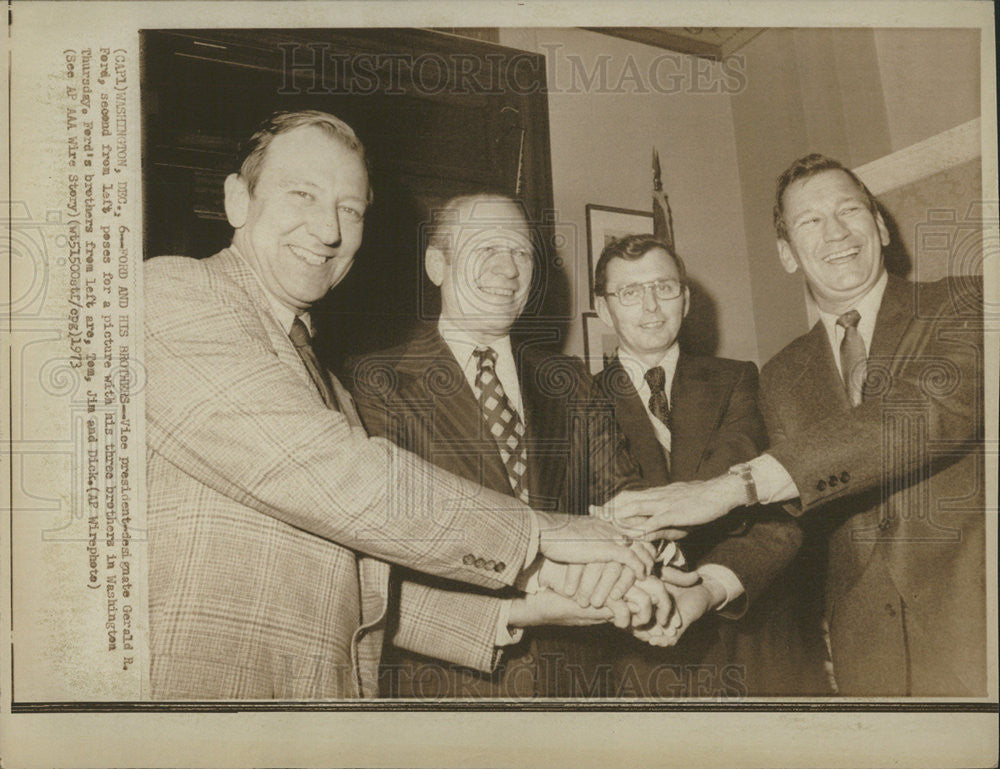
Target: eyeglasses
[634,293]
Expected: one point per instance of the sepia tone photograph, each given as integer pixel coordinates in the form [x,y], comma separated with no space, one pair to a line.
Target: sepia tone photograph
[598,372]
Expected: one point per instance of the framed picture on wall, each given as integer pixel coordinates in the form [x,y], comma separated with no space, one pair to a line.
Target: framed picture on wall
[605,224]
[599,342]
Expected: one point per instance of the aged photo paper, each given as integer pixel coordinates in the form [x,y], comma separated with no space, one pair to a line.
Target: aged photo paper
[121,119]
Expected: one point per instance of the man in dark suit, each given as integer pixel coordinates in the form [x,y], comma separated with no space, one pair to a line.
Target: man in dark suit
[503,415]
[876,424]
[682,418]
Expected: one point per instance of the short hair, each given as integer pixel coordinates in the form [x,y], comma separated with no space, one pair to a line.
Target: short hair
[631,248]
[804,168]
[439,230]
[251,153]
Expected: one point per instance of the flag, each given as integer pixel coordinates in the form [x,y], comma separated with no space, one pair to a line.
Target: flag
[663,221]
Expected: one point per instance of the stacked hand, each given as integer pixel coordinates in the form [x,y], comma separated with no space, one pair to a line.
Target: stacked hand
[592,572]
[665,512]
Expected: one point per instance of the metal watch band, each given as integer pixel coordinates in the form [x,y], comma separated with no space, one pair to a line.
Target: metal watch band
[743,472]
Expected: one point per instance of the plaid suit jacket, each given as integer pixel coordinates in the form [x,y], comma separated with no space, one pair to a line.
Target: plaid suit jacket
[897,483]
[261,500]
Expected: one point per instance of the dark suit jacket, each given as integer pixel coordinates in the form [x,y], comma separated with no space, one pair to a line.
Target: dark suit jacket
[417,396]
[898,481]
[715,423]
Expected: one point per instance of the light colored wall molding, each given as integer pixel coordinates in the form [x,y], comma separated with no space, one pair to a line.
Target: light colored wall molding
[918,161]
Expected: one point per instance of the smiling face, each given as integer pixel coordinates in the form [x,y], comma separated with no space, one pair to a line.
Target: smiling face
[834,237]
[648,329]
[302,224]
[485,274]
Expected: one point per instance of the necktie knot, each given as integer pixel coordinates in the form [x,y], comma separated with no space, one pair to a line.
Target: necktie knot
[486,356]
[849,319]
[299,334]
[656,378]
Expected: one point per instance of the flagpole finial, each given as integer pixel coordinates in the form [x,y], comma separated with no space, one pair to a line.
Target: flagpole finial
[657,180]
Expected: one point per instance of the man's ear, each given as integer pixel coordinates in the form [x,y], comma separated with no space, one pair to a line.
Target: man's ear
[603,311]
[237,200]
[786,257]
[435,263]
[687,301]
[883,231]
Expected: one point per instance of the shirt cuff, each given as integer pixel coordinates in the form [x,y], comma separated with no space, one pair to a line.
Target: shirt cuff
[725,577]
[506,635]
[773,482]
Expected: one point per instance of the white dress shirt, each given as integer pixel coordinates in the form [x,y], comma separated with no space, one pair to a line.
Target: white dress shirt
[463,346]
[636,371]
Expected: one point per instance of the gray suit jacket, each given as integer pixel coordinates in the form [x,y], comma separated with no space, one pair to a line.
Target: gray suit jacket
[898,483]
[261,502]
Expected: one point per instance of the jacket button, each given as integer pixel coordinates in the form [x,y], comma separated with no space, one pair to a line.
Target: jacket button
[490,565]
[468,559]
[527,659]
[820,485]
[480,563]
[890,610]
[845,477]
[499,566]
[833,481]
[884,524]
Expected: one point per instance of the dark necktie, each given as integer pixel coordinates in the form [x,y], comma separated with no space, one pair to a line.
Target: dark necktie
[502,421]
[303,344]
[853,358]
[659,406]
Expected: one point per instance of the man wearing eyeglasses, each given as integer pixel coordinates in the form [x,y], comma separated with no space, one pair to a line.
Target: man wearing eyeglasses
[683,418]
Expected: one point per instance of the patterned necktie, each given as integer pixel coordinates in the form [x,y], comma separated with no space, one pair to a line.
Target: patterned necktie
[659,406]
[853,358]
[502,421]
[300,338]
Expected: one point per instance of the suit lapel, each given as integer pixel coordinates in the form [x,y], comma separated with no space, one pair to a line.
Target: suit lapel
[634,421]
[815,375]
[240,271]
[696,399]
[431,378]
[894,315]
[542,415]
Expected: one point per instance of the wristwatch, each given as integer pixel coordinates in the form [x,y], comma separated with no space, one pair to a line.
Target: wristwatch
[743,472]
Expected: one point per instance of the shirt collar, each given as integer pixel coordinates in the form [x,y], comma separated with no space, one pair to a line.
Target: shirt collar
[867,306]
[636,369]
[282,313]
[462,345]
